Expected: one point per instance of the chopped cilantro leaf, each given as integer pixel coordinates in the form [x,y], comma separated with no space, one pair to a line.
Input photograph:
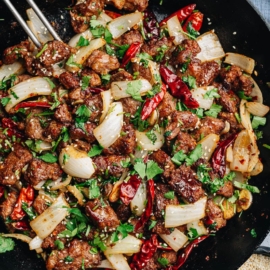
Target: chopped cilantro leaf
[95,150]
[252,189]
[241,94]
[6,244]
[94,191]
[140,168]
[152,224]
[258,121]
[190,81]
[194,155]
[151,135]
[192,233]
[152,169]
[59,244]
[179,157]
[83,42]
[105,78]
[70,62]
[48,157]
[122,229]
[213,93]
[5,101]
[214,111]
[68,259]
[192,32]
[29,211]
[65,158]
[253,233]
[85,82]
[163,261]
[169,195]
[133,89]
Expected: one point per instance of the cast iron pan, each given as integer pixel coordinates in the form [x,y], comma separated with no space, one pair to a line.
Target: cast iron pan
[233,244]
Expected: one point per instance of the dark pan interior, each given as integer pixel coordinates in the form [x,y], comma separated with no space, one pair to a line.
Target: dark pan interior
[233,244]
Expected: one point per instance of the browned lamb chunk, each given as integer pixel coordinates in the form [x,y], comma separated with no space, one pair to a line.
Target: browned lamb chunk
[166,106]
[62,114]
[102,215]
[90,7]
[170,256]
[143,71]
[133,36]
[109,165]
[164,162]
[79,23]
[123,212]
[94,77]
[133,5]
[40,204]
[125,144]
[7,206]
[130,106]
[39,170]
[215,214]
[228,100]
[33,128]
[160,228]
[102,63]
[10,169]
[69,80]
[226,190]
[95,104]
[36,68]
[183,181]
[78,251]
[21,78]
[184,142]
[121,75]
[119,4]
[160,201]
[79,134]
[231,119]
[77,94]
[52,131]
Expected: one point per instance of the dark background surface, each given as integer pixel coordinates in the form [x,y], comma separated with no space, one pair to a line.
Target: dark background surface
[234,243]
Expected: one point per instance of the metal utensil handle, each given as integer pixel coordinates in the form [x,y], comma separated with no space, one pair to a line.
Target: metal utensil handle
[262,250]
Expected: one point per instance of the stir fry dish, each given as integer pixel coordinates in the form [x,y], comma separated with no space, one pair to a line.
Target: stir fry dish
[129,145]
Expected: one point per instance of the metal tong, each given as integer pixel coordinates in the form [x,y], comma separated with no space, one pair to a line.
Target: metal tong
[25,26]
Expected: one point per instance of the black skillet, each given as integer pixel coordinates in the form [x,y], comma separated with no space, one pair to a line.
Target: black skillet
[232,245]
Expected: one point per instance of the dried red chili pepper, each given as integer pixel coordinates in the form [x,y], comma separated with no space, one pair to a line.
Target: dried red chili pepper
[129,189]
[164,248]
[150,24]
[12,128]
[31,104]
[181,14]
[182,257]
[196,20]
[22,225]
[26,196]
[112,14]
[219,157]
[95,90]
[151,103]
[148,209]
[2,191]
[130,53]
[148,250]
[178,88]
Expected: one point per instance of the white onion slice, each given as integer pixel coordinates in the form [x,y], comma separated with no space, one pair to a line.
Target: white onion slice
[256,92]
[199,226]
[105,264]
[122,24]
[240,60]
[83,53]
[239,177]
[146,144]
[109,130]
[76,163]
[209,144]
[7,70]
[104,17]
[229,154]
[257,108]
[175,240]
[77,194]
[54,185]
[211,48]
[177,215]
[44,224]
[33,87]
[137,204]
[45,146]
[115,193]
[129,244]
[257,169]
[35,243]
[106,100]
[74,40]
[175,30]
[58,69]
[118,261]
[198,95]
[119,88]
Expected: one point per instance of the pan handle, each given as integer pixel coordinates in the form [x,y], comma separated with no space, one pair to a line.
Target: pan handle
[262,250]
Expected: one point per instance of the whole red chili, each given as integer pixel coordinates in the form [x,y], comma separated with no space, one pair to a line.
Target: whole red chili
[148,250]
[178,88]
[150,24]
[26,196]
[196,20]
[12,127]
[129,189]
[148,209]
[30,104]
[95,90]
[21,225]
[112,14]
[182,257]
[131,53]
[151,103]
[219,157]
[181,14]
[2,191]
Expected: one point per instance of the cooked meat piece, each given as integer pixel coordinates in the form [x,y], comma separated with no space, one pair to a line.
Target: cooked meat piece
[49,241]
[230,118]
[245,84]
[160,201]
[52,131]
[130,37]
[184,120]
[76,94]
[204,72]
[12,54]
[125,144]
[55,52]
[164,162]
[69,80]
[107,189]
[94,77]
[123,212]
[166,106]
[62,114]
[79,23]
[82,145]
[160,228]
[95,104]
[209,125]
[36,68]
[7,206]
[109,165]
[183,181]
[40,204]
[102,215]
[170,256]
[10,169]
[215,214]
[79,134]
[39,170]
[21,78]
[121,75]
[90,7]
[130,106]
[134,5]
[143,71]
[184,142]
[227,190]
[102,63]
[153,46]
[152,264]
[33,129]
[228,100]
[117,3]
[3,145]
[79,251]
